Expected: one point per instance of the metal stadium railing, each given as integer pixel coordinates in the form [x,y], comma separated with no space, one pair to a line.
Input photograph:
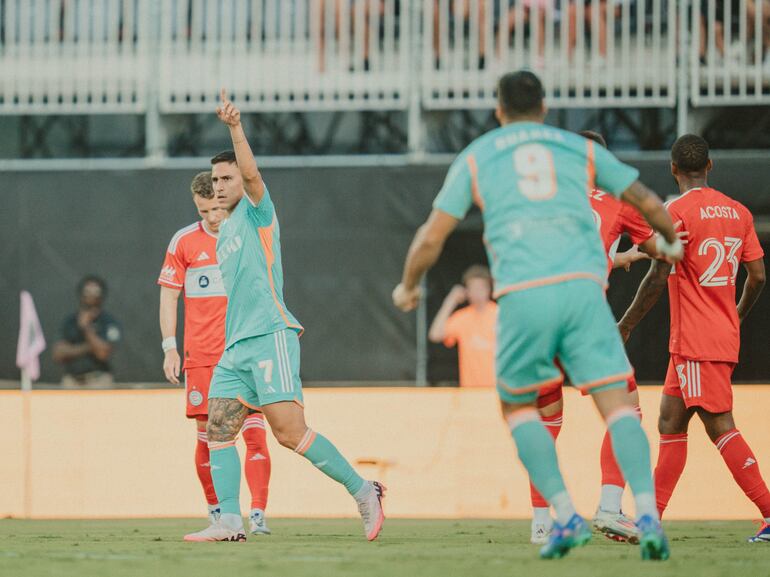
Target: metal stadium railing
[730,52]
[171,56]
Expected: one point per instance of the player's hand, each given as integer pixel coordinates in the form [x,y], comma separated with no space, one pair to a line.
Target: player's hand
[632,255]
[406,299]
[227,112]
[171,364]
[458,295]
[85,318]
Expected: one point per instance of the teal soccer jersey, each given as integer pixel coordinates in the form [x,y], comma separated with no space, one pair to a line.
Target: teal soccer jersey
[532,183]
[249,255]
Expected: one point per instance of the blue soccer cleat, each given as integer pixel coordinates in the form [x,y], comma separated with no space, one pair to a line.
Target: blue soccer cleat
[763,535]
[652,539]
[575,533]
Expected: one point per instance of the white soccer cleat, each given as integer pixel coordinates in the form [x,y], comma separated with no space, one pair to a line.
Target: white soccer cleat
[216,532]
[616,526]
[370,508]
[257,524]
[541,532]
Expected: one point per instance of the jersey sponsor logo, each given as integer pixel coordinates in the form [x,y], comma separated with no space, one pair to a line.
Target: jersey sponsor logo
[204,281]
[229,247]
[195,397]
[708,212]
[168,272]
[203,256]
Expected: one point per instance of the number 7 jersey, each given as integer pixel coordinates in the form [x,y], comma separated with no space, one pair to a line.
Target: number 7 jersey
[704,317]
[532,183]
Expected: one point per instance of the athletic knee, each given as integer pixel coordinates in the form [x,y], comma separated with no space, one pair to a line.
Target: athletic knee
[226,417]
[669,425]
[290,436]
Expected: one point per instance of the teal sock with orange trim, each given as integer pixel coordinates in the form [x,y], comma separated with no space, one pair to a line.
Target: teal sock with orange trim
[226,474]
[324,455]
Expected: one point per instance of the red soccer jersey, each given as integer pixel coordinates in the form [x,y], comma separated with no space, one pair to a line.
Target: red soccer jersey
[191,265]
[704,317]
[613,218]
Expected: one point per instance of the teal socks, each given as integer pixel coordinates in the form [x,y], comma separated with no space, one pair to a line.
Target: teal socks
[632,451]
[324,455]
[226,474]
[537,452]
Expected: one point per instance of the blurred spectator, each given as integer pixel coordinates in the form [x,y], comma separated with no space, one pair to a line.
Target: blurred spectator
[473,328]
[366,8]
[459,14]
[598,34]
[540,7]
[753,8]
[88,339]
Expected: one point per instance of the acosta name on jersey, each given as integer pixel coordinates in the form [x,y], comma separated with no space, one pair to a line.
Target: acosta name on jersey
[707,212]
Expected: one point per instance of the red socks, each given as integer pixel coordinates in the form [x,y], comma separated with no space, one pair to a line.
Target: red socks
[671,460]
[203,468]
[745,469]
[553,424]
[257,462]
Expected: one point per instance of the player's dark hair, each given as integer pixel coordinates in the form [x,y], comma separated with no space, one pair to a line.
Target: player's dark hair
[477,271]
[595,136]
[92,278]
[520,94]
[224,156]
[201,185]
[690,153]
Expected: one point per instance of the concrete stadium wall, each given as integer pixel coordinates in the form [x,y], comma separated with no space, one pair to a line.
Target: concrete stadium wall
[443,453]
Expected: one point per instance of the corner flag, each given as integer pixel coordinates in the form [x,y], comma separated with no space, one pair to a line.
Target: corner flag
[31,339]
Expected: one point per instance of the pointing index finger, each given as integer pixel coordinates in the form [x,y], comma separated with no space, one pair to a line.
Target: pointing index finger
[223,95]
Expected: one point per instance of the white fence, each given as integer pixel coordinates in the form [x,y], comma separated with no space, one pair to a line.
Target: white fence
[131,56]
[730,52]
[73,56]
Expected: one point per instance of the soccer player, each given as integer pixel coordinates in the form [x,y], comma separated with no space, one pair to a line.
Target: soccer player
[471,328]
[531,183]
[191,266]
[705,324]
[260,365]
[613,218]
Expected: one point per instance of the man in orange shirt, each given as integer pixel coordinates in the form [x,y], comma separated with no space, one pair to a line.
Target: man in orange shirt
[471,328]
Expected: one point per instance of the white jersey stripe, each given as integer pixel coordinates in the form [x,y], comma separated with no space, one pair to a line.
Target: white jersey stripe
[282,361]
[697,380]
[178,236]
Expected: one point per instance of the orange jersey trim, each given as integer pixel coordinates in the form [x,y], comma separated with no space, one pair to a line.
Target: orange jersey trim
[530,388]
[590,166]
[475,191]
[550,280]
[605,381]
[266,240]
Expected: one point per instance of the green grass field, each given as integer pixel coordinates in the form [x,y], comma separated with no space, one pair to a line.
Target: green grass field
[317,548]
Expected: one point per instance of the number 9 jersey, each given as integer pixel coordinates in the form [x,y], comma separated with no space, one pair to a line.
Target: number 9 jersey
[704,317]
[532,184]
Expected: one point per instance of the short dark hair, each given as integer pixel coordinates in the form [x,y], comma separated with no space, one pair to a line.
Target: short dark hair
[201,185]
[92,278]
[224,156]
[520,93]
[595,136]
[690,153]
[477,271]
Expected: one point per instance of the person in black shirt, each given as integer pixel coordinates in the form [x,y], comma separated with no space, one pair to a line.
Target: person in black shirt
[88,339]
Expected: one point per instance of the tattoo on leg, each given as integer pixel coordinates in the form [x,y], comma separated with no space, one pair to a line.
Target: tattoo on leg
[226,418]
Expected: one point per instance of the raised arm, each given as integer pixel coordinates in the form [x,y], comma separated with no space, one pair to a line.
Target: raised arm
[423,254]
[647,295]
[455,298]
[169,300]
[247,164]
[752,288]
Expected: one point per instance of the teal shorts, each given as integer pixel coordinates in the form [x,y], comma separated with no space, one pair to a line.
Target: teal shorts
[260,371]
[569,321]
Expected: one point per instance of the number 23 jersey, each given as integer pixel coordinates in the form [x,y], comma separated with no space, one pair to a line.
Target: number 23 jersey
[704,317]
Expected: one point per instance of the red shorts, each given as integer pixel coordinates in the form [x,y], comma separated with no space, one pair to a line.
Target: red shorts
[196,384]
[704,384]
